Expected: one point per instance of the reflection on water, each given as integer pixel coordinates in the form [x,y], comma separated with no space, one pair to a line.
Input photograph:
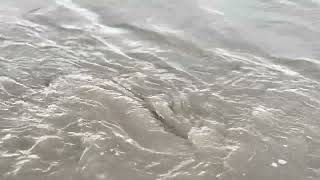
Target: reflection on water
[166,90]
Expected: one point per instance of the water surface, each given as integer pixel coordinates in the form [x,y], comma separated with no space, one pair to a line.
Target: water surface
[159,90]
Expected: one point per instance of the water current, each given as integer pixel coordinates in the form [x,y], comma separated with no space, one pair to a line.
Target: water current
[159,90]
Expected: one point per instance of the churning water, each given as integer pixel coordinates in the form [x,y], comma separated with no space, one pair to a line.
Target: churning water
[159,90]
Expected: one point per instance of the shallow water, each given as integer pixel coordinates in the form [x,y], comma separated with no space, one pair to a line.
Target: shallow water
[159,90]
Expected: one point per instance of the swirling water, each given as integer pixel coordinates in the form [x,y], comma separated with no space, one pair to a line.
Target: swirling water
[159,90]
